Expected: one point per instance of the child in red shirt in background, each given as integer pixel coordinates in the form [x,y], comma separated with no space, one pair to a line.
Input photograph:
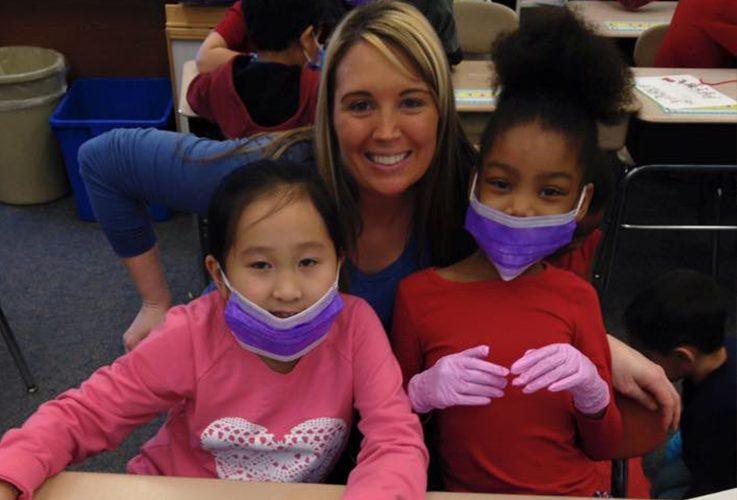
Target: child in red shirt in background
[275,88]
[541,326]
[702,34]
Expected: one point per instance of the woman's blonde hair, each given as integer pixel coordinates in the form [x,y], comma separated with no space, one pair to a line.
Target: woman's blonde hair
[394,27]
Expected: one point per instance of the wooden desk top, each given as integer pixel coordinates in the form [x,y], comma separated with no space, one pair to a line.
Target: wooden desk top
[650,111]
[98,486]
[599,13]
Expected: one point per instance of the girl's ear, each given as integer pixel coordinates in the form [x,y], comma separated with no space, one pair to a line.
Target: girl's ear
[588,195]
[213,268]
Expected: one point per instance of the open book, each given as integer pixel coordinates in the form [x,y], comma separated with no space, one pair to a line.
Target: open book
[685,94]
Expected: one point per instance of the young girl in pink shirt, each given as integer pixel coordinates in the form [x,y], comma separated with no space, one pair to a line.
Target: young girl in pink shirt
[260,379]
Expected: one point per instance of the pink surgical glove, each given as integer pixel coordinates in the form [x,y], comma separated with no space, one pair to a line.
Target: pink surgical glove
[562,367]
[463,378]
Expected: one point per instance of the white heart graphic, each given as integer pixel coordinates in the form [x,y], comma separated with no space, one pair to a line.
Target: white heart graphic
[249,452]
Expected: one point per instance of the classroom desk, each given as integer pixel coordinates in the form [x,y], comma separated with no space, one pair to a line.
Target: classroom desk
[99,486]
[651,112]
[600,13]
[468,75]
[471,75]
[659,137]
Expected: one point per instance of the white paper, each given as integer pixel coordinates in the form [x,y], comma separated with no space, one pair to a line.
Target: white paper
[682,92]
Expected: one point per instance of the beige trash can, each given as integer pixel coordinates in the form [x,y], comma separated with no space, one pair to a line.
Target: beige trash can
[32,81]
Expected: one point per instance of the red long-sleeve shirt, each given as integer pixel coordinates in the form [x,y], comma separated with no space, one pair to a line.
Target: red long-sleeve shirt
[519,443]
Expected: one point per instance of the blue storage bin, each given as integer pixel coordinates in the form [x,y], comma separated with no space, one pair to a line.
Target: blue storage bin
[95,105]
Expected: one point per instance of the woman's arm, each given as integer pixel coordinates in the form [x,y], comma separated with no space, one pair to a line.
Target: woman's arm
[393,459]
[636,377]
[126,169]
[148,276]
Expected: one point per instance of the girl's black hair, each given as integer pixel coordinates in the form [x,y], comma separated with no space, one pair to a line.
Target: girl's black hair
[554,70]
[244,185]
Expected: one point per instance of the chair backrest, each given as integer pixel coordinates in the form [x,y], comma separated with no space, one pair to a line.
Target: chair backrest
[479,23]
[647,45]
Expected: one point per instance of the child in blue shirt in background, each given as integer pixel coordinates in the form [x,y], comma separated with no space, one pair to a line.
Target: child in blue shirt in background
[679,322]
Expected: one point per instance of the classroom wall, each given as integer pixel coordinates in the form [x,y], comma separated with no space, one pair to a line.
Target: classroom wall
[99,37]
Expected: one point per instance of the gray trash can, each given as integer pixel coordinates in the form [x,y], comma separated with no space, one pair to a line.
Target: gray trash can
[32,81]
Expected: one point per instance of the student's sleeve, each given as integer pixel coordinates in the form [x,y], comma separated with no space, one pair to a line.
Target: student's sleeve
[126,169]
[405,342]
[200,92]
[723,29]
[100,413]
[600,436]
[232,27]
[393,459]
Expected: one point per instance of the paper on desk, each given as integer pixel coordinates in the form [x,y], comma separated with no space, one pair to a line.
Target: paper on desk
[684,94]
[629,25]
[474,96]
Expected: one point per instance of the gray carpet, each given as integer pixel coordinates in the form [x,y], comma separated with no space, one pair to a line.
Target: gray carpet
[68,298]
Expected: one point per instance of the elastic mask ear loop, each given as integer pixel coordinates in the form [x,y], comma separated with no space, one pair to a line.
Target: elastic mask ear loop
[582,197]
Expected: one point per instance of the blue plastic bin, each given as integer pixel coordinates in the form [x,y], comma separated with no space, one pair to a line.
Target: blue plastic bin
[95,105]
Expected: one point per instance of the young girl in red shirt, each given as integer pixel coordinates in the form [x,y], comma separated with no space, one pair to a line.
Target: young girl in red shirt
[508,350]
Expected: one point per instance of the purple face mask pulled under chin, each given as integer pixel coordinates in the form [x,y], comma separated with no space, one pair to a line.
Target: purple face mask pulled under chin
[513,244]
[282,339]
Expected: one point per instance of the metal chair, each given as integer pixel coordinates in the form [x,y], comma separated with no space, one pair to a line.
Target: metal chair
[17,355]
[607,254]
[647,45]
[479,23]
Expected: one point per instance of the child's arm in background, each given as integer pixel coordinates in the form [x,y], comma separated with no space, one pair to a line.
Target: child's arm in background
[101,413]
[227,40]
[601,436]
[393,459]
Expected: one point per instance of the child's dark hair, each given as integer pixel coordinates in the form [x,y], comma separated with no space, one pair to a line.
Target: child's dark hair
[555,71]
[276,24]
[682,307]
[244,185]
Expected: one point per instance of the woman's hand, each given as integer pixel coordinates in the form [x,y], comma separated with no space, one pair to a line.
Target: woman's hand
[149,317]
[8,491]
[562,367]
[636,377]
[464,378]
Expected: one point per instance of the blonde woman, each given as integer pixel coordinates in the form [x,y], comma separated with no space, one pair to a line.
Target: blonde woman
[389,145]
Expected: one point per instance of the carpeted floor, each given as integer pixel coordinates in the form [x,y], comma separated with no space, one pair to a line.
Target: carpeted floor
[68,298]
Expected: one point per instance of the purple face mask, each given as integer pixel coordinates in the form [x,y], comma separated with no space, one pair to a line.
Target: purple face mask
[283,339]
[357,3]
[512,243]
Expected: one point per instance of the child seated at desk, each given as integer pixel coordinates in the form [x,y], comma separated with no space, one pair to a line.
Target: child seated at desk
[679,322]
[275,88]
[261,378]
[230,36]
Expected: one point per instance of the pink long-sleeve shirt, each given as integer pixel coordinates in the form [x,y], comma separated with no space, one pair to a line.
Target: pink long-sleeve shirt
[230,415]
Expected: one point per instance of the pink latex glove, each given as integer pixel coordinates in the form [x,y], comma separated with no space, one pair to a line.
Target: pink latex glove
[562,367]
[464,378]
